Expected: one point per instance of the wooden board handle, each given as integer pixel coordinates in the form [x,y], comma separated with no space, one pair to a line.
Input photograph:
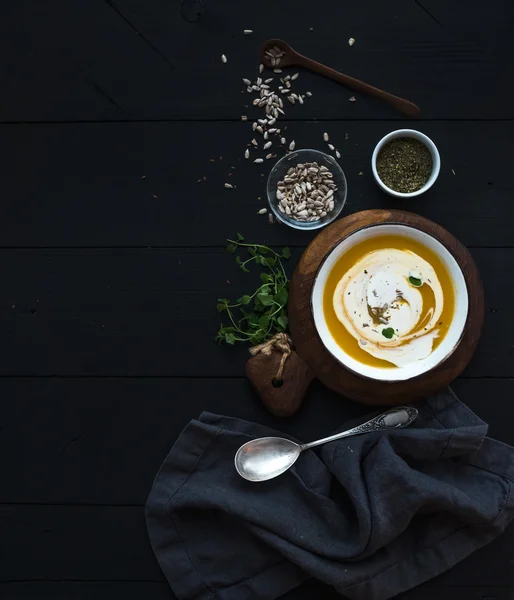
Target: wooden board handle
[282,398]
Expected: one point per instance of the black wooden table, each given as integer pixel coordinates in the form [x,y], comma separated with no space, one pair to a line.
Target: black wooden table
[112,254]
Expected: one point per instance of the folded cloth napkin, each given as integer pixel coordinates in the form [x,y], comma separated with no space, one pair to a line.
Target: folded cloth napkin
[372,515]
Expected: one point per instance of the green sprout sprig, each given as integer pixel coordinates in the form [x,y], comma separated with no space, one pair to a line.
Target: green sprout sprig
[256,317]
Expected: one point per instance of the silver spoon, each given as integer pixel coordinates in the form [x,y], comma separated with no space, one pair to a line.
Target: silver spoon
[269,457]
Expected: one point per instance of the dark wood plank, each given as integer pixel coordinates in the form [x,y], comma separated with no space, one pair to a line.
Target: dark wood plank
[81,184]
[157,590]
[152,312]
[127,59]
[111,543]
[101,441]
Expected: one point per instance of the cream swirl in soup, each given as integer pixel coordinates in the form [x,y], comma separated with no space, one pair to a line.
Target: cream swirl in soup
[392,298]
[380,304]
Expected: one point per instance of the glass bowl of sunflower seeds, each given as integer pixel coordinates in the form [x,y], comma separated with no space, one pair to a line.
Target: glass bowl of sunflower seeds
[306,189]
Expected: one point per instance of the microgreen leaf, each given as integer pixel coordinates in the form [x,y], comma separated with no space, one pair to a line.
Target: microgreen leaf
[281,296]
[388,332]
[265,278]
[286,252]
[282,321]
[231,248]
[221,307]
[245,299]
[240,238]
[415,281]
[265,299]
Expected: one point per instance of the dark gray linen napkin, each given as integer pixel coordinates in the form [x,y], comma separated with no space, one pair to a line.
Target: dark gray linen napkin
[372,515]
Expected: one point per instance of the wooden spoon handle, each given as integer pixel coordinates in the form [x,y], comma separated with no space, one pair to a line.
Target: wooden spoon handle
[404,106]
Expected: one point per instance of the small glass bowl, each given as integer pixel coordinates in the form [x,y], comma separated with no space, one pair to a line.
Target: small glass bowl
[279,171]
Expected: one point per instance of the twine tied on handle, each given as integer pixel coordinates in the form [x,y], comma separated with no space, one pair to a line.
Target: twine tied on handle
[281,342]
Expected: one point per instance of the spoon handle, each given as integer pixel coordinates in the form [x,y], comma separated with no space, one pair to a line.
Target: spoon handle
[395,418]
[404,106]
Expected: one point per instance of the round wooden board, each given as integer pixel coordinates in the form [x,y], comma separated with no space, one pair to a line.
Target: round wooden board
[326,367]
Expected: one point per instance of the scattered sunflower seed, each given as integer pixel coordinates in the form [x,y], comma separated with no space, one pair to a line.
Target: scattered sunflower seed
[309,94]
[244,118]
[331,147]
[270,155]
[261,68]
[271,220]
[248,32]
[351,41]
[338,154]
[223,59]
[295,76]
[283,141]
[352,99]
[247,153]
[325,137]
[258,160]
[277,70]
[266,145]
[229,186]
[254,142]
[292,145]
[453,171]
[263,211]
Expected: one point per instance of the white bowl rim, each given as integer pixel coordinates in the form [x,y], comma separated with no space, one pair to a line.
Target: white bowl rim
[418,135]
[314,224]
[391,375]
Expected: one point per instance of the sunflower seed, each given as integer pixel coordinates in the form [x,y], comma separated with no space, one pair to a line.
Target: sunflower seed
[248,32]
[271,131]
[258,160]
[271,219]
[277,70]
[292,145]
[263,211]
[254,125]
[351,41]
[223,59]
[247,153]
[270,155]
[261,68]
[229,186]
[244,118]
[331,147]
[266,145]
[295,76]
[300,99]
[259,129]
[247,82]
[254,142]
[338,154]
[265,135]
[308,94]
[325,137]
[352,99]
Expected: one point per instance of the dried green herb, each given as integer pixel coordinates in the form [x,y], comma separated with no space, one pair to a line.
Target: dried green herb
[404,165]
[255,318]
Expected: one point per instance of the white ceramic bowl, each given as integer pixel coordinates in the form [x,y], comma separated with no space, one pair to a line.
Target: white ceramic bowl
[417,135]
[453,335]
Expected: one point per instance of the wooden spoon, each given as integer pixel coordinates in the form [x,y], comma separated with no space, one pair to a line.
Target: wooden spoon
[293,58]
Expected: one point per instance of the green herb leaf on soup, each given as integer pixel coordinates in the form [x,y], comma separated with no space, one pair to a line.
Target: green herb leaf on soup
[415,281]
[388,332]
